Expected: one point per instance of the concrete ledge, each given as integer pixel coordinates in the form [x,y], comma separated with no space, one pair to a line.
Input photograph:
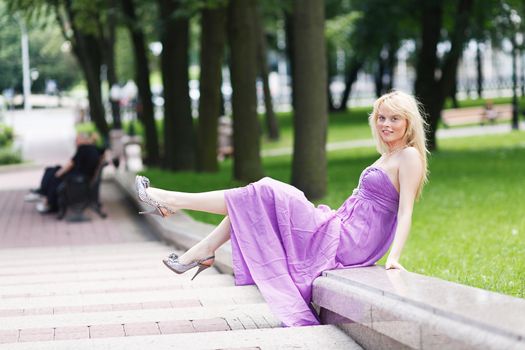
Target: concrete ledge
[179,230]
[397,310]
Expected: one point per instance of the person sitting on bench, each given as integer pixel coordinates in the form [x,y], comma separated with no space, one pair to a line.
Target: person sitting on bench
[489,113]
[84,162]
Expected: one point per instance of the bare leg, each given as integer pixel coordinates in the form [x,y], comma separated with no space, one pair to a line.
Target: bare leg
[208,246]
[211,202]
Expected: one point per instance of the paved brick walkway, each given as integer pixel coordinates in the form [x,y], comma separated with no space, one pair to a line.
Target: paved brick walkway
[22,226]
[46,137]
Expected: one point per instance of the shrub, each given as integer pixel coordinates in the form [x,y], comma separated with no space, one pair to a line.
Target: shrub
[6,135]
[8,156]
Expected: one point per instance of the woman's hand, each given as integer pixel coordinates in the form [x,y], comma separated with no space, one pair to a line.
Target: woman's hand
[393,264]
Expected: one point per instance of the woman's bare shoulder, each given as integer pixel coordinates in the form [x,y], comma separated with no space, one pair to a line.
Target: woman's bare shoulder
[410,157]
[410,151]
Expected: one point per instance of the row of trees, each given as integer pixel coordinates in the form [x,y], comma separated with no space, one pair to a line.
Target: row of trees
[238,33]
[440,29]
[234,27]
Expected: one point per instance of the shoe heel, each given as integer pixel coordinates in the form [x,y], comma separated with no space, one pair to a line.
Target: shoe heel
[202,267]
[154,211]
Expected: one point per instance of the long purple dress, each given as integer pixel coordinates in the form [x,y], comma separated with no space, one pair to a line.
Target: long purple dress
[282,242]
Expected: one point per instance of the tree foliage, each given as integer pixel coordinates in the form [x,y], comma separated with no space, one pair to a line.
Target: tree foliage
[49,54]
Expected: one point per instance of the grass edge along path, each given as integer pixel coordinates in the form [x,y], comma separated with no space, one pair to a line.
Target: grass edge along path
[469,226]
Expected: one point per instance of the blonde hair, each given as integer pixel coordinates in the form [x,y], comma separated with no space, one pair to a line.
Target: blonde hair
[408,108]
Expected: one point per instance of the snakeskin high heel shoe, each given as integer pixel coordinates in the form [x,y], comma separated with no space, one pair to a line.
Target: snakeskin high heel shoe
[172,263]
[141,183]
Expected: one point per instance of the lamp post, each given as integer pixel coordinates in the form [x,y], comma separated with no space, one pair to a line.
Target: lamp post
[26,74]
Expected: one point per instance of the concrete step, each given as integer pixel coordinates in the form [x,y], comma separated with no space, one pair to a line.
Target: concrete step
[253,311]
[69,251]
[153,262]
[83,259]
[202,294]
[317,337]
[145,305]
[5,314]
[139,272]
[114,286]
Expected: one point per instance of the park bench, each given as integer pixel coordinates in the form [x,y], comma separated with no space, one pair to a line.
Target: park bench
[78,192]
[473,115]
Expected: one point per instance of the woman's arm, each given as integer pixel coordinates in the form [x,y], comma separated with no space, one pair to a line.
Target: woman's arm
[410,175]
[65,168]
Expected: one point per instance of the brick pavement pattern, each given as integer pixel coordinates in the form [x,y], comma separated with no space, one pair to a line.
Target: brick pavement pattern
[22,226]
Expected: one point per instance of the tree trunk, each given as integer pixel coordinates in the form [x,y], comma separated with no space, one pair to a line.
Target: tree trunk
[145,110]
[515,114]
[391,65]
[179,138]
[479,70]
[329,97]
[91,69]
[351,76]
[226,63]
[213,37]
[426,85]
[272,125]
[330,74]
[454,91]
[109,58]
[381,67]
[432,92]
[289,33]
[243,44]
[449,70]
[96,106]
[223,101]
[310,115]
[86,49]
[522,85]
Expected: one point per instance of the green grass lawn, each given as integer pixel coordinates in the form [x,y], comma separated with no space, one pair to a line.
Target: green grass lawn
[342,126]
[469,225]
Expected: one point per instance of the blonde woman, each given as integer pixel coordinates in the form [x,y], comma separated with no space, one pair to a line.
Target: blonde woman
[281,242]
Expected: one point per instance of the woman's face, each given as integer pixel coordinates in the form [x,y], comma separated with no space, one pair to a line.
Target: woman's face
[390,126]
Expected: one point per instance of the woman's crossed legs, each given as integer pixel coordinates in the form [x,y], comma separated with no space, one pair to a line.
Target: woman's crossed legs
[211,202]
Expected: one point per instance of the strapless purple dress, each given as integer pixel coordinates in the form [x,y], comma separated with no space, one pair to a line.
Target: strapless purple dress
[281,242]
